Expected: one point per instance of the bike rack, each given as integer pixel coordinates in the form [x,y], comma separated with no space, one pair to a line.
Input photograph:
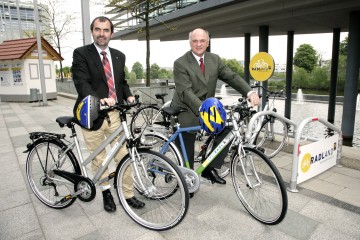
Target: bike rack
[296,152]
[298,129]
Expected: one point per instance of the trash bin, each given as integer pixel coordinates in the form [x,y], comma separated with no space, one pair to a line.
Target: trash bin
[34,94]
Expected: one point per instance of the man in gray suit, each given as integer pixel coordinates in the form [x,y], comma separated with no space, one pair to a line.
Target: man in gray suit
[193,86]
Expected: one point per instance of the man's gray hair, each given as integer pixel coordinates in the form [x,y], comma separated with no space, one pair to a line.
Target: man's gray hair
[207,33]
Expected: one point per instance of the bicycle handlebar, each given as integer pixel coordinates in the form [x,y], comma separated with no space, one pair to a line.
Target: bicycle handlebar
[279,93]
[120,106]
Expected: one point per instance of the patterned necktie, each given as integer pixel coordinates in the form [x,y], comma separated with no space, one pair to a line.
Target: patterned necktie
[202,66]
[108,75]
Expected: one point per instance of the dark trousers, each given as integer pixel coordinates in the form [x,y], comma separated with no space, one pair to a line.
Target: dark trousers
[189,141]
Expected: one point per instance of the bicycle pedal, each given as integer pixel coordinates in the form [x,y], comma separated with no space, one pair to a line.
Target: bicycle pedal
[111,175]
[64,199]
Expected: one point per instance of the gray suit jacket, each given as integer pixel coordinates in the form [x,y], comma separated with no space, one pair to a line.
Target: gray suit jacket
[192,87]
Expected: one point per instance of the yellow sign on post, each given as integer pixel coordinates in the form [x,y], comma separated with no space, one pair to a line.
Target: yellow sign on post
[262,66]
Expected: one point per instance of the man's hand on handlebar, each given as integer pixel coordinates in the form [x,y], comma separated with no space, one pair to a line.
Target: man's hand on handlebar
[254,99]
[108,101]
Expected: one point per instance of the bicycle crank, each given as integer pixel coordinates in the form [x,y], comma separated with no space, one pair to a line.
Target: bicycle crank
[192,179]
[83,186]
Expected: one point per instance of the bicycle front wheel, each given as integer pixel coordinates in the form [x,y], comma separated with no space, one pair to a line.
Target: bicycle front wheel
[271,137]
[49,188]
[259,186]
[156,142]
[160,185]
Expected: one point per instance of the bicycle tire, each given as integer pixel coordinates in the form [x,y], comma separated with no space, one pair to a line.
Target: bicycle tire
[160,177]
[271,137]
[267,200]
[49,191]
[147,116]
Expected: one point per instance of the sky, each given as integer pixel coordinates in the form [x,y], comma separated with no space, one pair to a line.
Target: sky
[165,53]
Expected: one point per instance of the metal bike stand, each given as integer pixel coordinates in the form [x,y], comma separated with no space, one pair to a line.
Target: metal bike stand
[296,152]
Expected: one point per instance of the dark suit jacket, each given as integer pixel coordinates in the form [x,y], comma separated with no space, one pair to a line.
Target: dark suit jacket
[89,76]
[192,87]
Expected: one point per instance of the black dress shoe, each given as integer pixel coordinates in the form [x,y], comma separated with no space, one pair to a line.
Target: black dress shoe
[109,204]
[213,176]
[133,202]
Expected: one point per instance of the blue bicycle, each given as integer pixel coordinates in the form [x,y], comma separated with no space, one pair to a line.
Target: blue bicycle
[257,182]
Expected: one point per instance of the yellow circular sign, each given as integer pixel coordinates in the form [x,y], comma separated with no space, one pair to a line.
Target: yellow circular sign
[262,66]
[305,163]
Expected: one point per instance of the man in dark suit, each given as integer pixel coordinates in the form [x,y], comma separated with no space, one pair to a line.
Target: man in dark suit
[193,87]
[98,70]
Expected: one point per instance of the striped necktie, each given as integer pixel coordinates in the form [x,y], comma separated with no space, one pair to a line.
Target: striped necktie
[109,77]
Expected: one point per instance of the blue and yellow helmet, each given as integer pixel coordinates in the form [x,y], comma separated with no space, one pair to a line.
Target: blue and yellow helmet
[212,116]
[87,111]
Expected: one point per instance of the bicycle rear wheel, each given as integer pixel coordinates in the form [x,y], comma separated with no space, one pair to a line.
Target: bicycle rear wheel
[271,137]
[259,186]
[149,117]
[48,187]
[160,186]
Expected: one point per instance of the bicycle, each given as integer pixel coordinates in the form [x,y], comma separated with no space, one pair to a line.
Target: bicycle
[58,178]
[151,117]
[257,182]
[270,132]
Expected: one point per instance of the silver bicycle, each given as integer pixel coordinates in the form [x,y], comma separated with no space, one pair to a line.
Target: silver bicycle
[57,178]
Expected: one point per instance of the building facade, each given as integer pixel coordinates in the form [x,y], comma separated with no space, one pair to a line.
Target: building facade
[16,18]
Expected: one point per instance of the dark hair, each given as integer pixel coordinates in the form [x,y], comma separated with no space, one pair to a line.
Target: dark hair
[102,19]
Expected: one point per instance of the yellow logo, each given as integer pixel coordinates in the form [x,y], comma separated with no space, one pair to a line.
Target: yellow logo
[214,117]
[78,110]
[305,163]
[262,66]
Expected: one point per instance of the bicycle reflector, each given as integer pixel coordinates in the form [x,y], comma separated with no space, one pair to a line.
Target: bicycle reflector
[212,116]
[87,111]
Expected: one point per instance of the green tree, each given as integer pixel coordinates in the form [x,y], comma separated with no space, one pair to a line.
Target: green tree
[59,24]
[305,57]
[343,46]
[165,74]
[319,78]
[341,73]
[126,70]
[235,66]
[154,71]
[132,77]
[67,71]
[142,10]
[300,78]
[138,69]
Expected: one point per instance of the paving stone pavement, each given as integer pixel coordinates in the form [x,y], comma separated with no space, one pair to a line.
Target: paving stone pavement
[326,207]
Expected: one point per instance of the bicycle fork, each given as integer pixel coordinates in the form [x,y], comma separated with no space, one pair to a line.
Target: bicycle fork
[248,168]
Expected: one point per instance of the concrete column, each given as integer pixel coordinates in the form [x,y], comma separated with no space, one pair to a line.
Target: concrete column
[334,74]
[263,47]
[351,82]
[247,57]
[85,12]
[289,72]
